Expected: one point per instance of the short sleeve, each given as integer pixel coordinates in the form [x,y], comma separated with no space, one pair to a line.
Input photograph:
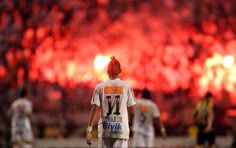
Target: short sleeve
[131,99]
[95,98]
[155,111]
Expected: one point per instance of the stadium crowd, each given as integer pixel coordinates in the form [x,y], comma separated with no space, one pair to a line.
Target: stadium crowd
[49,46]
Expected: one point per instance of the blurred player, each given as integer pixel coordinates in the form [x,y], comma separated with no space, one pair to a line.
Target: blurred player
[114,97]
[204,117]
[20,112]
[143,129]
[232,119]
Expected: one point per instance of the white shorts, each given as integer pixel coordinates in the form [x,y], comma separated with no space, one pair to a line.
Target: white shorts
[21,134]
[142,140]
[112,142]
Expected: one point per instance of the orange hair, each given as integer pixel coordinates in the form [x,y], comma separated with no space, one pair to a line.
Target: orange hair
[114,67]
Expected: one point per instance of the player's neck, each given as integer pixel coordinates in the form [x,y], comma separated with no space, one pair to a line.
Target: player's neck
[114,77]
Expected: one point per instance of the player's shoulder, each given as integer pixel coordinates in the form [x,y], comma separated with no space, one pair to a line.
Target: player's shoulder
[138,101]
[120,82]
[210,104]
[125,83]
[25,101]
[143,101]
[28,101]
[100,84]
[151,103]
[17,101]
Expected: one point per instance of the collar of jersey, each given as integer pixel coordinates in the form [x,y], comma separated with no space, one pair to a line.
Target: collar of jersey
[22,98]
[114,78]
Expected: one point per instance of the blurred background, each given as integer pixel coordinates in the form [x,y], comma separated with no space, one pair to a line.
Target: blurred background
[59,49]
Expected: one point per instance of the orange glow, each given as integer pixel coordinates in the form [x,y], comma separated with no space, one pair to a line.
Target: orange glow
[178,49]
[233,98]
[40,33]
[29,33]
[103,2]
[3,71]
[164,116]
[231,112]
[54,95]
[100,62]
[219,73]
[33,75]
[49,74]
[27,53]
[215,60]
[228,61]
[151,54]
[71,69]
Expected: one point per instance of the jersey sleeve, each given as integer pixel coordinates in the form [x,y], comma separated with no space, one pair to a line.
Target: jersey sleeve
[131,99]
[95,98]
[155,111]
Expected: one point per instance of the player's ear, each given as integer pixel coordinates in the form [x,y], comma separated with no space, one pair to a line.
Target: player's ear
[119,70]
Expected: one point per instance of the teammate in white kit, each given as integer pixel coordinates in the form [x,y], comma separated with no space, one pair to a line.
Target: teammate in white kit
[143,129]
[115,98]
[20,112]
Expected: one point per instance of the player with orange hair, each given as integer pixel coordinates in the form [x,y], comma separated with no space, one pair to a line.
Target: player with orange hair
[114,98]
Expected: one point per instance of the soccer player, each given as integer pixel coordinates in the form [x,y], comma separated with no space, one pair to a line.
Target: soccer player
[204,117]
[146,111]
[20,112]
[115,98]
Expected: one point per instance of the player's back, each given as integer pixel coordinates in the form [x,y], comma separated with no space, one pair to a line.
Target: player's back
[20,124]
[20,109]
[145,111]
[202,110]
[115,96]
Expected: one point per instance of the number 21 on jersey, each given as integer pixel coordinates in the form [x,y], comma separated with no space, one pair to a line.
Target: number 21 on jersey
[113,99]
[113,102]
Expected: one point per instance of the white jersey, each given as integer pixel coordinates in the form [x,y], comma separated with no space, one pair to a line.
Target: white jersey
[20,108]
[145,111]
[113,96]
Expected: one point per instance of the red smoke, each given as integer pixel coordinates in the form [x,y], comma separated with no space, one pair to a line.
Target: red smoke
[158,48]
